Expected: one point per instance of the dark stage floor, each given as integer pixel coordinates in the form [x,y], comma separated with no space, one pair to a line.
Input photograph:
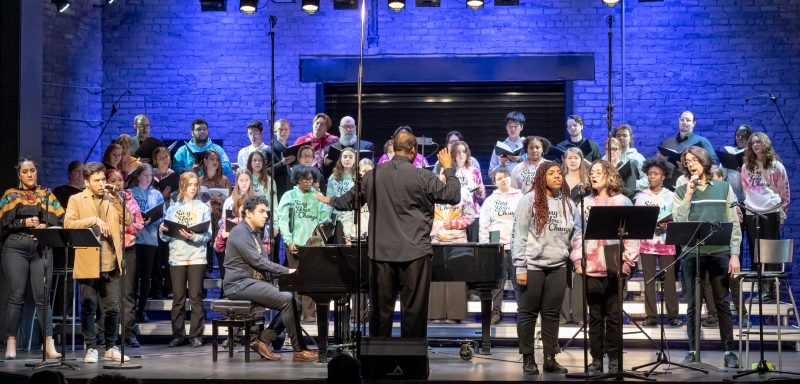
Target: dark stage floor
[186,364]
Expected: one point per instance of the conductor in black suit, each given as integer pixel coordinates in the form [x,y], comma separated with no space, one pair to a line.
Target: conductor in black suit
[401,198]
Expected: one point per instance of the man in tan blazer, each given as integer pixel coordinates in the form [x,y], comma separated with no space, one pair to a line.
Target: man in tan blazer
[97,270]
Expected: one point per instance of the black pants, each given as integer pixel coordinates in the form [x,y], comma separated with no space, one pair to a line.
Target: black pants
[268,296]
[602,296]
[129,298]
[191,275]
[23,263]
[507,273]
[769,229]
[717,267]
[573,301]
[542,295]
[145,260]
[161,281]
[670,289]
[102,293]
[412,280]
[307,306]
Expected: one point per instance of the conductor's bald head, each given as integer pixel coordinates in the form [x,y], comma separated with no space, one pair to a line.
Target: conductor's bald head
[405,144]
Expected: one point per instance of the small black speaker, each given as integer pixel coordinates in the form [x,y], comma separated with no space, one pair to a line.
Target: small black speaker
[391,358]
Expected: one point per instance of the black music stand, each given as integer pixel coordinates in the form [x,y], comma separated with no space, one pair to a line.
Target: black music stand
[693,234]
[621,223]
[661,356]
[56,237]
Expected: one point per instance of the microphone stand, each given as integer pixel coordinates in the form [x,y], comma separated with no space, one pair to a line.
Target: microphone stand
[774,100]
[610,106]
[585,374]
[105,125]
[272,198]
[762,367]
[357,185]
[122,363]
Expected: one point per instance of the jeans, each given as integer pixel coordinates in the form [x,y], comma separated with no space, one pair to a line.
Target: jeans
[23,262]
[100,294]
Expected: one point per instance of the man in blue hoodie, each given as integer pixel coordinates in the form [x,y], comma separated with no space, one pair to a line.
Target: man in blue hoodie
[185,157]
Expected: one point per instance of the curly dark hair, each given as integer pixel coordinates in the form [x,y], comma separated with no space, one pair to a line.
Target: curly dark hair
[659,162]
[539,211]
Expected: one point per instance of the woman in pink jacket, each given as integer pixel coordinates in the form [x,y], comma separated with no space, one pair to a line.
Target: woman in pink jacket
[601,289]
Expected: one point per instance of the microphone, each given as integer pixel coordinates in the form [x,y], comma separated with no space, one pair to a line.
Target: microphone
[695,181]
[734,204]
[769,96]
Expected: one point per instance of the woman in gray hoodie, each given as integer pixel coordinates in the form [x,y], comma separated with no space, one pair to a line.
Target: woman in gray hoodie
[539,250]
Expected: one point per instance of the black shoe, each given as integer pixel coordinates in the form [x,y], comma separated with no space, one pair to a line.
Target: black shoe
[551,365]
[177,342]
[710,322]
[689,358]
[613,365]
[596,366]
[731,360]
[529,366]
[676,322]
[277,344]
[132,342]
[650,323]
[196,341]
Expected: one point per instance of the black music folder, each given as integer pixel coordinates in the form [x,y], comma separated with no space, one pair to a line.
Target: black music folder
[154,213]
[731,161]
[502,149]
[173,228]
[335,153]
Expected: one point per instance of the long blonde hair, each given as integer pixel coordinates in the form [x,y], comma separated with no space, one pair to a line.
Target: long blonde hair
[184,184]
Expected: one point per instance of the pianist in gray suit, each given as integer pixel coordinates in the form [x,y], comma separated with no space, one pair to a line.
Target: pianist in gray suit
[245,260]
[401,198]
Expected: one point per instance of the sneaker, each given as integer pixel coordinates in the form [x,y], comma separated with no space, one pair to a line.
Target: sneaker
[613,365]
[114,354]
[495,317]
[731,360]
[177,342]
[676,322]
[91,356]
[596,366]
[650,323]
[689,359]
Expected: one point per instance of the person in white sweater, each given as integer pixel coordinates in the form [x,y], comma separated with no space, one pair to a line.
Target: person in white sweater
[497,215]
[522,174]
[766,191]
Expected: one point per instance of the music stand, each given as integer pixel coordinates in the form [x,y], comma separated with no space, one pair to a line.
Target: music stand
[693,234]
[55,237]
[621,223]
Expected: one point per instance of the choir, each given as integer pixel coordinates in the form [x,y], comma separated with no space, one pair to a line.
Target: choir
[542,197]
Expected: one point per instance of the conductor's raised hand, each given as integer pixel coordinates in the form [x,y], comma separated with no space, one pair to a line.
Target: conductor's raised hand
[322,198]
[444,158]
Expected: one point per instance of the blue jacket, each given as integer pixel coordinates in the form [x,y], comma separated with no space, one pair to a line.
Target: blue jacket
[184,158]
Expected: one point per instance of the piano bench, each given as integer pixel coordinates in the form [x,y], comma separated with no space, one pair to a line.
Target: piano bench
[237,314]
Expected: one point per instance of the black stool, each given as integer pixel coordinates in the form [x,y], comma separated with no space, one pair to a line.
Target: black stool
[238,314]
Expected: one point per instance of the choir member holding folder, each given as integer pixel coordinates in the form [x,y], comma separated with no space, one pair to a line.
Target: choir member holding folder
[187,231]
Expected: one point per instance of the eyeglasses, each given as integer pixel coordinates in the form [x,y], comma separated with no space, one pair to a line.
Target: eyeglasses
[689,162]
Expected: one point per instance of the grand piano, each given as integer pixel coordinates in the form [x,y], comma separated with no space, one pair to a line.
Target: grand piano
[330,273]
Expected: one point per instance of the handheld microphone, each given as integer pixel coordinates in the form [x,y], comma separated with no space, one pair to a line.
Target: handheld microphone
[695,181]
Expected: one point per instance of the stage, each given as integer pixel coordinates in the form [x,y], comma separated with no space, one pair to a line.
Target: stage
[161,364]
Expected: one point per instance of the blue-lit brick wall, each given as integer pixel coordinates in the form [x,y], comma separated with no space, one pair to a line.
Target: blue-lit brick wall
[73,79]
[180,63]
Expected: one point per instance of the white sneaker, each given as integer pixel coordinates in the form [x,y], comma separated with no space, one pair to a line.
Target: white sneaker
[114,354]
[91,356]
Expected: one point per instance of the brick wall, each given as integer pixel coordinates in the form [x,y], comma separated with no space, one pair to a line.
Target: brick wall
[180,63]
[72,89]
